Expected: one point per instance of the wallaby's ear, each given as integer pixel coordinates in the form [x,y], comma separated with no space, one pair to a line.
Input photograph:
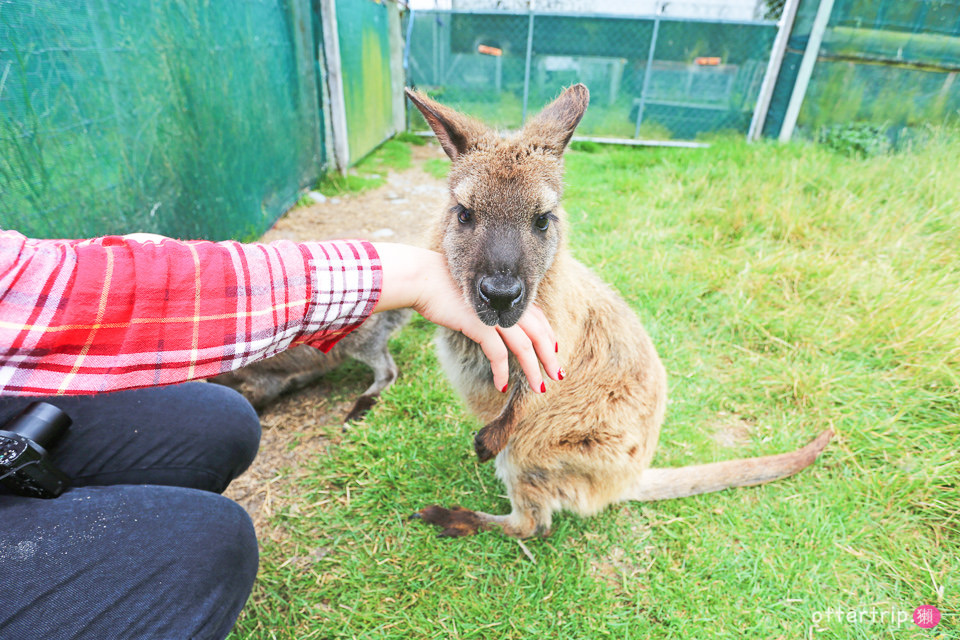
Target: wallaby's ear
[553,127]
[456,132]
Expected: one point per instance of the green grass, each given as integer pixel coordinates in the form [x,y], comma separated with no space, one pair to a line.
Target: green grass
[411,138]
[371,172]
[437,167]
[788,289]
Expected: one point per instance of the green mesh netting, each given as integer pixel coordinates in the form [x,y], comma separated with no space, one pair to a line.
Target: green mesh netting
[890,63]
[187,118]
[886,62]
[704,75]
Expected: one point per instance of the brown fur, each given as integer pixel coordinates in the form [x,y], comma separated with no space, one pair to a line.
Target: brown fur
[588,441]
[264,381]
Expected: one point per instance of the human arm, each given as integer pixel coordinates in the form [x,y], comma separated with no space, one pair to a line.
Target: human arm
[119,313]
[116,313]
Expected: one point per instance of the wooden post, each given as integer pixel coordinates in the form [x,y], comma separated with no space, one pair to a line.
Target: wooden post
[338,106]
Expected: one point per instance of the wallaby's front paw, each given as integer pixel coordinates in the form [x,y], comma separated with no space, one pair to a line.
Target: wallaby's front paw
[480,446]
[488,442]
[455,522]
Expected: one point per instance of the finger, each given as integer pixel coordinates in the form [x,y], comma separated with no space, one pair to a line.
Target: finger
[145,237]
[496,353]
[535,314]
[494,349]
[522,348]
[534,323]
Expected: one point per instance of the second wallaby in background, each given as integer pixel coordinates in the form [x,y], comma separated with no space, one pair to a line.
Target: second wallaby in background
[263,381]
[587,442]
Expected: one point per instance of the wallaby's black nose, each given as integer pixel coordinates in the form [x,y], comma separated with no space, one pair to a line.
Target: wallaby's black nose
[500,291]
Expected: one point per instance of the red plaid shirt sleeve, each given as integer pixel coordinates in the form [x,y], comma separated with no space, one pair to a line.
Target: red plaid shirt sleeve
[81,317]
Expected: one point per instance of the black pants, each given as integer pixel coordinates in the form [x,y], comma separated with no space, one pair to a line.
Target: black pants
[142,546]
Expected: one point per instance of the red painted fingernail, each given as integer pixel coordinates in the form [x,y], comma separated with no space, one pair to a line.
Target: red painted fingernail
[504,390]
[556,347]
[543,387]
[561,374]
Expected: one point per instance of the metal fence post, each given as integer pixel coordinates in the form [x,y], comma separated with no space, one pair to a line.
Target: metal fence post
[438,78]
[397,72]
[407,75]
[526,70]
[407,41]
[760,111]
[648,69]
[806,69]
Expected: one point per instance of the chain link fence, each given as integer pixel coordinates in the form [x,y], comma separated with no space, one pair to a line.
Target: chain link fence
[663,76]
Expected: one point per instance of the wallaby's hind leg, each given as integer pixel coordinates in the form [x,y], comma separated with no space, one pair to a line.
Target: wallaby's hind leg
[457,522]
[370,346]
[385,373]
[531,499]
[264,381]
[259,390]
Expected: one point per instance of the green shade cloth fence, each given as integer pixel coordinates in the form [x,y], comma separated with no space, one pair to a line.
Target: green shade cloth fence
[889,63]
[190,118]
[193,119]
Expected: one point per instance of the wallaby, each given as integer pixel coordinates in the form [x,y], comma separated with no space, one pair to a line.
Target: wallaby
[588,441]
[264,381]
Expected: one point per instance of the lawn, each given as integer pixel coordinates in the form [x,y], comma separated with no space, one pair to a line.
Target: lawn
[788,289]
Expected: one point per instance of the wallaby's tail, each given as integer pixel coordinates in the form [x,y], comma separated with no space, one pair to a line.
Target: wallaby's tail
[661,484]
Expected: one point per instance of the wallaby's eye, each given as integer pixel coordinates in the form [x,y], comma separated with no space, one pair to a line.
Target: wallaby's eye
[464,215]
[542,222]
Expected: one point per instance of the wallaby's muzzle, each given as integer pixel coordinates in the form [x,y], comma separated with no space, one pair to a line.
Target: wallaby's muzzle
[501,291]
[501,299]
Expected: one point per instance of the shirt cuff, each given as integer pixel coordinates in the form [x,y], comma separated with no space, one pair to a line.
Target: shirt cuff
[346,278]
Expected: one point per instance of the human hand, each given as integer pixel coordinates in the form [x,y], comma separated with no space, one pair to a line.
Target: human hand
[418,278]
[145,237]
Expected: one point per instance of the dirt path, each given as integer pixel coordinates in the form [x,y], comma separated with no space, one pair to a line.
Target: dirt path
[293,428]
[399,211]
